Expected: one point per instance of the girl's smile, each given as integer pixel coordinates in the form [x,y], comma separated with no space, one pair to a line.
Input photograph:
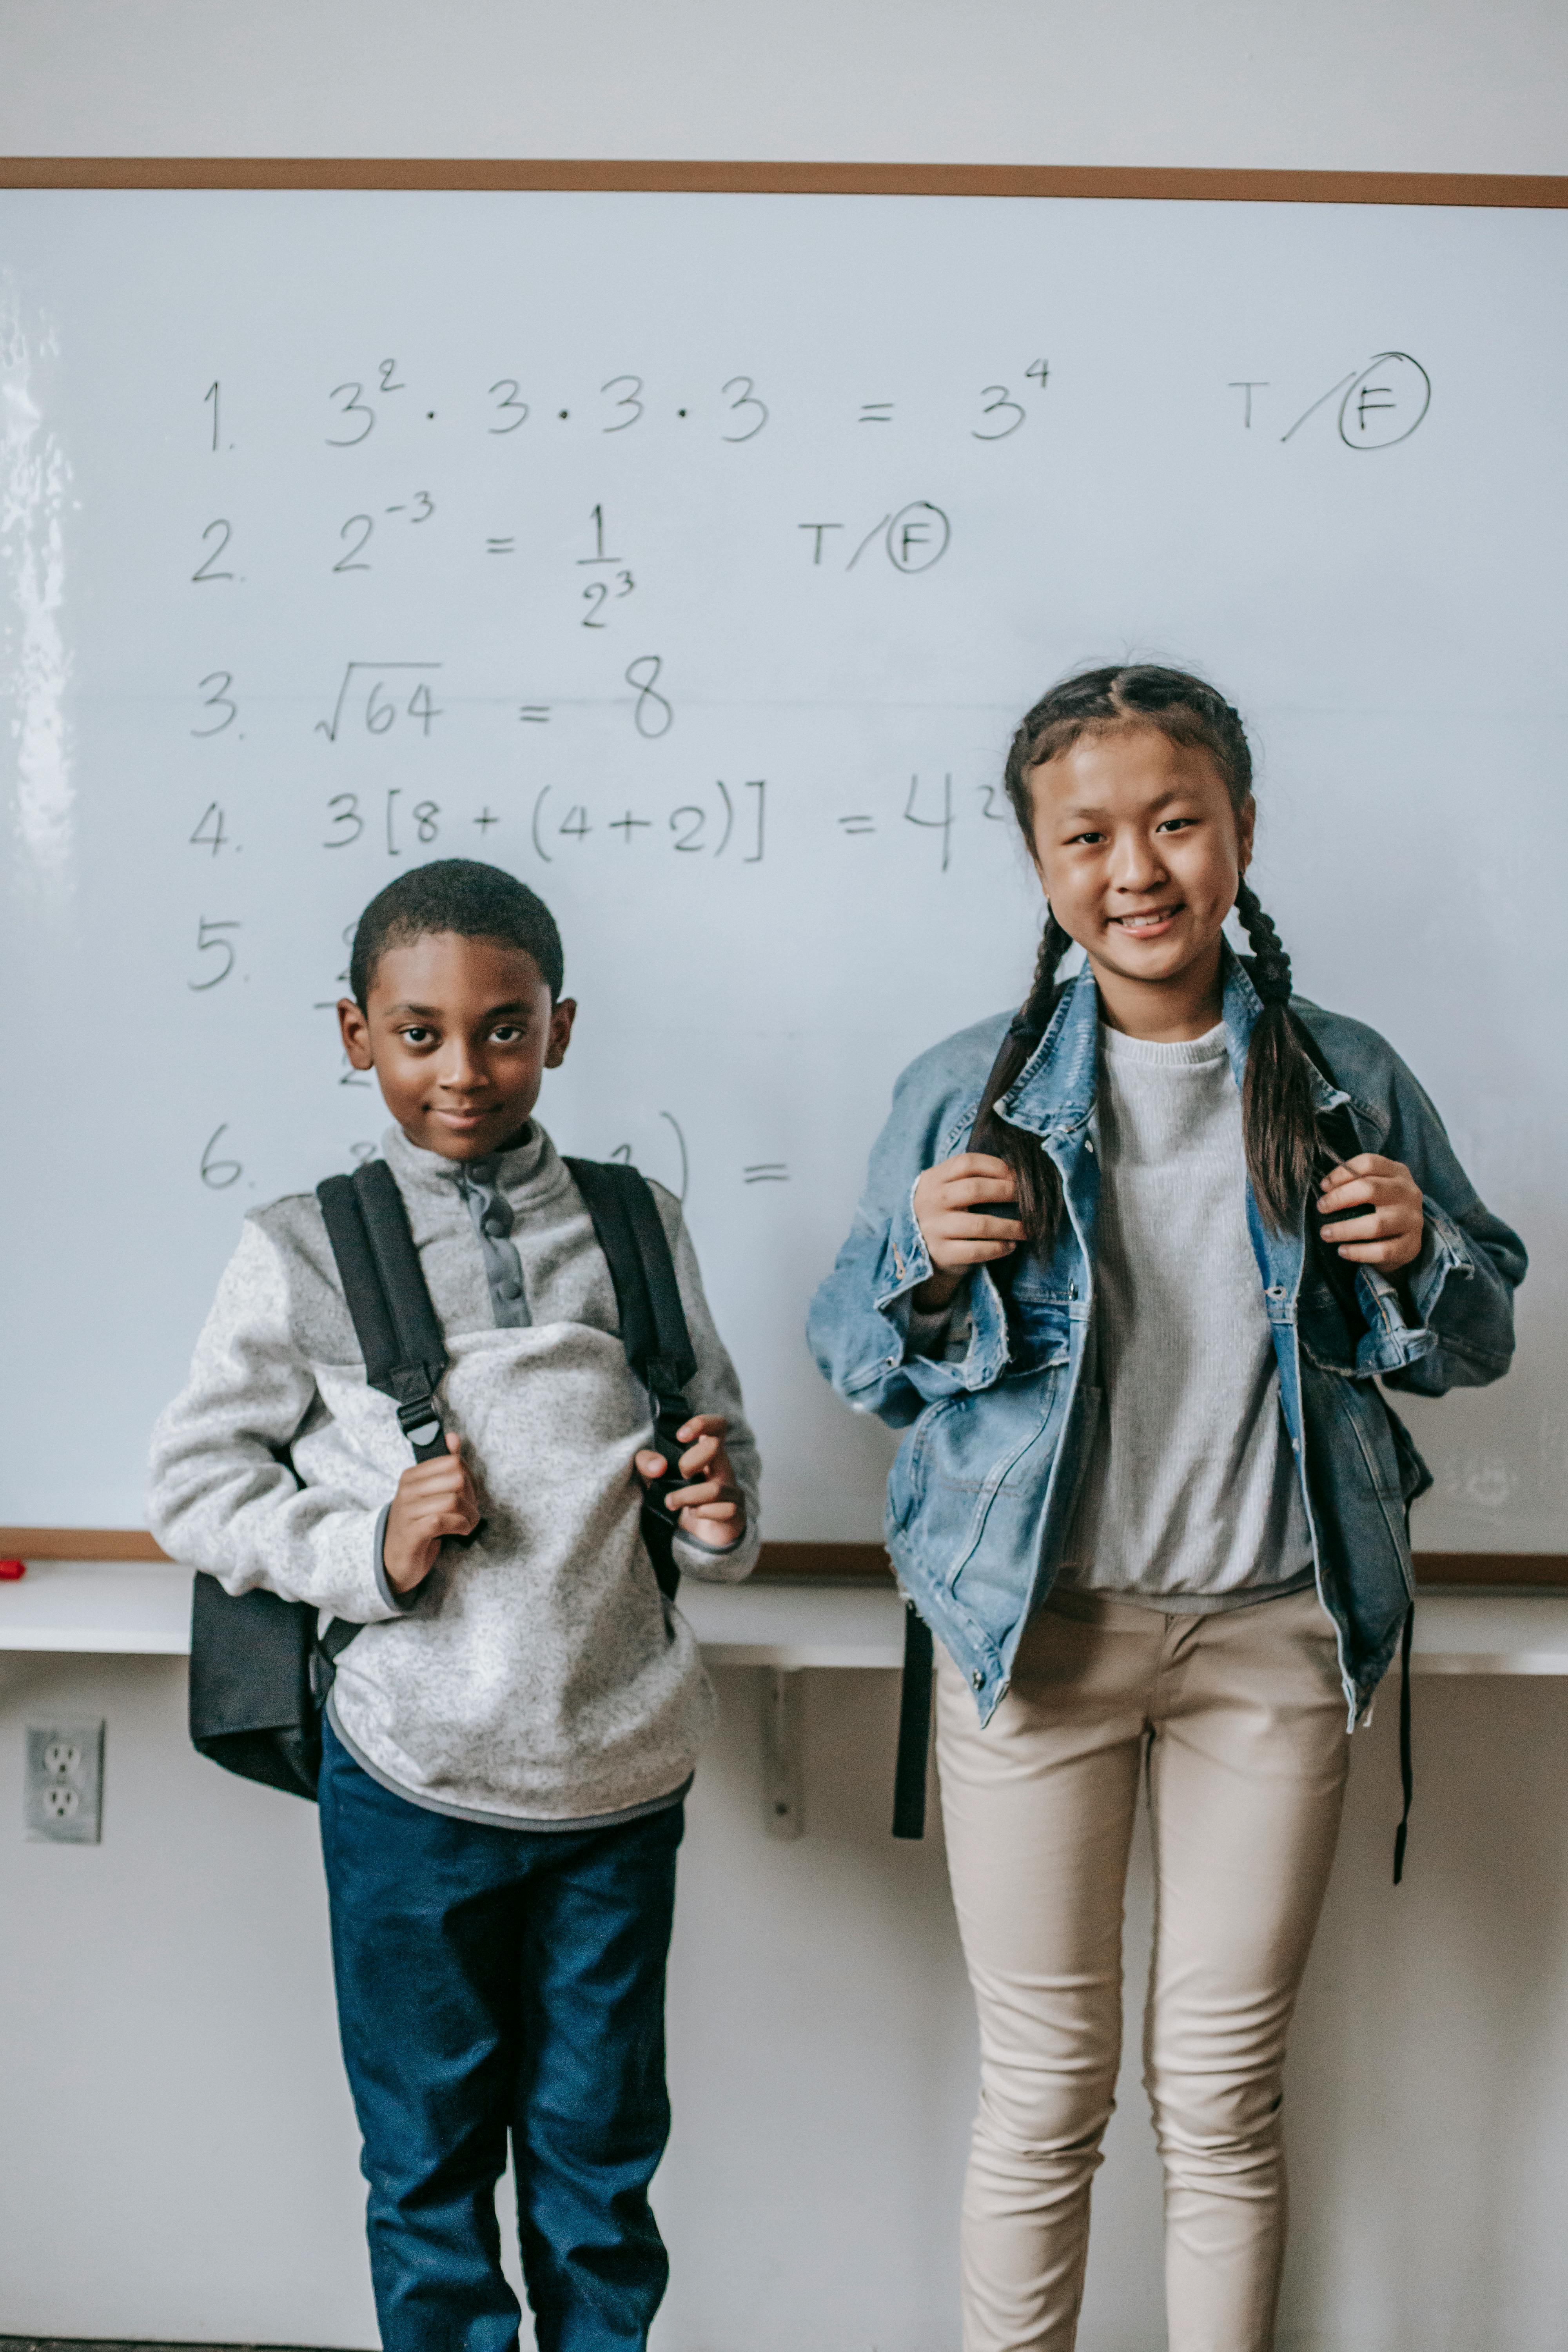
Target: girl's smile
[1148,926]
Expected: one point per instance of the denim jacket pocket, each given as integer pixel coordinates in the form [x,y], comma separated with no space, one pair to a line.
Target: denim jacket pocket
[1039,1324]
[908,1477]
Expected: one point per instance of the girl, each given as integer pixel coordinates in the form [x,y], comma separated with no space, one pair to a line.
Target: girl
[1152,1503]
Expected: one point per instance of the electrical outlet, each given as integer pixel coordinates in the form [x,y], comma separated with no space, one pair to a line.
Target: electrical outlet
[63,1797]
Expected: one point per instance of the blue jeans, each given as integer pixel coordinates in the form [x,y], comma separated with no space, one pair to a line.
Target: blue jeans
[495,1980]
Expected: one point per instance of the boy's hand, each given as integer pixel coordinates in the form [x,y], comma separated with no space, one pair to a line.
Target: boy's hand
[1388,1230]
[946,1199]
[433,1499]
[710,1507]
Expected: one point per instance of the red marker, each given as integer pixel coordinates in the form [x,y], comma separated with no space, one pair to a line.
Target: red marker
[11,1571]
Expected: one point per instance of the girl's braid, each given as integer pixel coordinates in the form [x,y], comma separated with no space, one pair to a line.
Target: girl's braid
[1039,1195]
[1034,1015]
[1271,969]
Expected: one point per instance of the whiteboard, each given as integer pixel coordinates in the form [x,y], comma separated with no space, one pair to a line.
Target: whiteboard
[693,556]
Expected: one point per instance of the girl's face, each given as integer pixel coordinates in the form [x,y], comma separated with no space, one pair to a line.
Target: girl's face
[1139,853]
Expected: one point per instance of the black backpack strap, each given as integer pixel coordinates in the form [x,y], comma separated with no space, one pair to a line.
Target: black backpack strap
[607,1196]
[421,1360]
[394,1320]
[914,1727]
[630,1231]
[674,1361]
[396,1325]
[1406,1760]
[362,1284]
[1339,1134]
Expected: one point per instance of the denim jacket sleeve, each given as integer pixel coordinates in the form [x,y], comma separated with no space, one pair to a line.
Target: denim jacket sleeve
[859,1321]
[1461,1286]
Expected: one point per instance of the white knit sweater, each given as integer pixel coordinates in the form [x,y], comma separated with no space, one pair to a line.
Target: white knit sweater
[1190,1499]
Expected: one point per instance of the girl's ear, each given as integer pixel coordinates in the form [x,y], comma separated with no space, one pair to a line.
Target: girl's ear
[1246,827]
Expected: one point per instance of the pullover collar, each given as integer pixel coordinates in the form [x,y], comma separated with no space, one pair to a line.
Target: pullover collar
[528,1173]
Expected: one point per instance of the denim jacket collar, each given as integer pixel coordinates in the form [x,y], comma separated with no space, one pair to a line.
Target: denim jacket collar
[1054,1093]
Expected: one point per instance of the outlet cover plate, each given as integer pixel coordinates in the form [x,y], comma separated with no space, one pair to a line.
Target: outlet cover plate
[63,1792]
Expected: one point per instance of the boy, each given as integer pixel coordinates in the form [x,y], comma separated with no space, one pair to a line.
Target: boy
[508,1743]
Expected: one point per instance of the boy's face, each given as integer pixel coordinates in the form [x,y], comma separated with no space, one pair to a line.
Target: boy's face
[459,1034]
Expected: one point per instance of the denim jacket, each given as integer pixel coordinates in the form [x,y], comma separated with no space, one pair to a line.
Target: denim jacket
[984,1485]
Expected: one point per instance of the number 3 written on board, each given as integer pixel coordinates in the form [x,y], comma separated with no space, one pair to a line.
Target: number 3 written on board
[220,698]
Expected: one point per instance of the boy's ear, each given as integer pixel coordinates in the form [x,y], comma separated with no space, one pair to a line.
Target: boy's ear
[560,1019]
[354,1030]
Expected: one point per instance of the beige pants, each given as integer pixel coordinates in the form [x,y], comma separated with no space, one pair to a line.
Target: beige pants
[1244,1723]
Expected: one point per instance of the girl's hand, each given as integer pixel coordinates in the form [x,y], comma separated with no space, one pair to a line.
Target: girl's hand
[1388,1233]
[711,1509]
[947,1200]
[433,1499]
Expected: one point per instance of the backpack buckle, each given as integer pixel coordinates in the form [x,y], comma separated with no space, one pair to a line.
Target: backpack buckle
[670,1411]
[420,1422]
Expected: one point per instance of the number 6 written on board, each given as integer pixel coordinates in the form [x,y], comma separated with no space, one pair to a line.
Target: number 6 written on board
[219,1173]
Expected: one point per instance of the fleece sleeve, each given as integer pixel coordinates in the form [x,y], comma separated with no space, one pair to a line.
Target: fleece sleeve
[221,1496]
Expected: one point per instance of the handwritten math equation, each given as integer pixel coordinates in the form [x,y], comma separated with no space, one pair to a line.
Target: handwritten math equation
[415,694]
[553,826]
[369,407]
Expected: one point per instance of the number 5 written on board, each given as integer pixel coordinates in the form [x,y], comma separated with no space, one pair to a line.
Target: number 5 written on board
[207,937]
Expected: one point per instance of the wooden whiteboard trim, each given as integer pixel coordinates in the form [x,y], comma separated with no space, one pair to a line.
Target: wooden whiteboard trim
[1538,191]
[833,1563]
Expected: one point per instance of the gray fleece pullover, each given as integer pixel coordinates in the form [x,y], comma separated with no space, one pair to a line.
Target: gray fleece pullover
[538,1677]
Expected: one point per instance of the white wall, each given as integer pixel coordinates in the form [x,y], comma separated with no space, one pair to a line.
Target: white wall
[179,2150]
[175,2141]
[1372,85]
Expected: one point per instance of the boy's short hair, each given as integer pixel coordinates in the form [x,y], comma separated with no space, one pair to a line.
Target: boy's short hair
[456,894]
